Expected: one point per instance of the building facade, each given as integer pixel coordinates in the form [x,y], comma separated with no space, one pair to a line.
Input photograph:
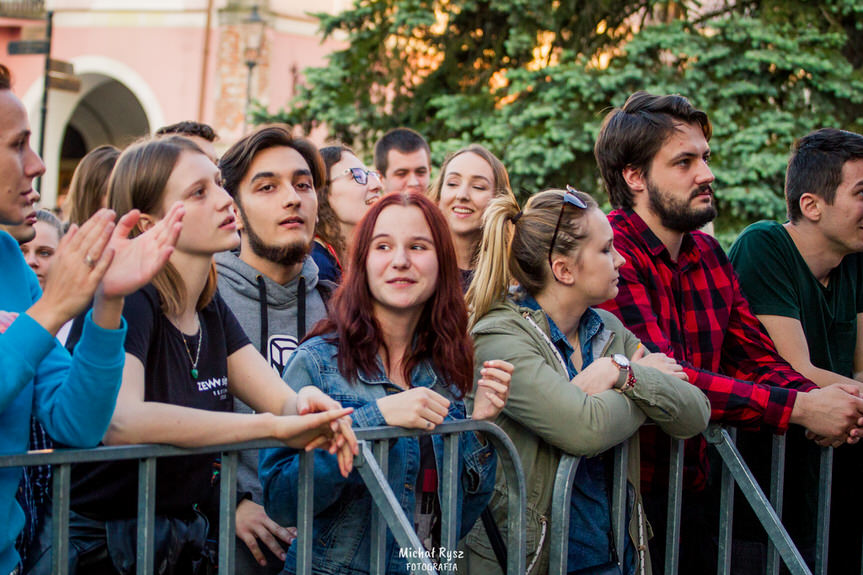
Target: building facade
[143,64]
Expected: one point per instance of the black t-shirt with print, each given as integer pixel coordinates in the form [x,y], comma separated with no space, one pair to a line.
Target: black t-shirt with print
[109,490]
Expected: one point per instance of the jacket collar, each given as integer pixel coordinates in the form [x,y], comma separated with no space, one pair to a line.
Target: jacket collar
[422,376]
[591,329]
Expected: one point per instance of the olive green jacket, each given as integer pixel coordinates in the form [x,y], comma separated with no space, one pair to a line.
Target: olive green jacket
[546,416]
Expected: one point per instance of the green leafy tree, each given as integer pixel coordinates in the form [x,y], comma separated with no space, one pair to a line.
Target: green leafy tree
[533,81]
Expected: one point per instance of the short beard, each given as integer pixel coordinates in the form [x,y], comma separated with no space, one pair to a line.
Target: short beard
[287,255]
[678,215]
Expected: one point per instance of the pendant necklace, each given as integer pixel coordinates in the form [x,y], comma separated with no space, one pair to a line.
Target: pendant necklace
[200,336]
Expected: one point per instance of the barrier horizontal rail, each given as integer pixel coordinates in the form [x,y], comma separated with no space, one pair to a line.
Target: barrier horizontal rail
[371,458]
[779,543]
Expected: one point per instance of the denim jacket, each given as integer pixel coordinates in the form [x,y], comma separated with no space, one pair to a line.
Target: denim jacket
[343,506]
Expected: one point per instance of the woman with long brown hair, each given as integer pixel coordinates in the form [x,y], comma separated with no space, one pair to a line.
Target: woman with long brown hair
[396,349]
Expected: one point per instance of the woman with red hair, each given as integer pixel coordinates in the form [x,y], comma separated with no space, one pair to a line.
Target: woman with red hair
[396,349]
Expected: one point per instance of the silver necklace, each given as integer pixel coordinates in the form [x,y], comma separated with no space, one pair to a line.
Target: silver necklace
[200,336]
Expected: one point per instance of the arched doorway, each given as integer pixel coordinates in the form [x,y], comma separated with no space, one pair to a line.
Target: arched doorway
[108,114]
[114,106]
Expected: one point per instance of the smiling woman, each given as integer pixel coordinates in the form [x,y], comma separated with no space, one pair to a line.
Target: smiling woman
[468,180]
[396,349]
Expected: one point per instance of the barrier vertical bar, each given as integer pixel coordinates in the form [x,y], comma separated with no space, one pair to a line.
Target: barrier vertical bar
[449,509]
[822,532]
[675,505]
[305,512]
[60,537]
[144,552]
[516,523]
[777,487]
[733,462]
[618,499]
[391,510]
[228,511]
[726,514]
[560,506]
[861,563]
[378,565]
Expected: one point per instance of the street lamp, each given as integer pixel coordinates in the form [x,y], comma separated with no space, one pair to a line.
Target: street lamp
[254,27]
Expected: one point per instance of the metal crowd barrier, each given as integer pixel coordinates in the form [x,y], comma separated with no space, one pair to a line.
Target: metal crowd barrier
[371,464]
[734,471]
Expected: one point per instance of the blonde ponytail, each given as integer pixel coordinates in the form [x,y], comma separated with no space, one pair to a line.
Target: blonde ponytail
[492,277]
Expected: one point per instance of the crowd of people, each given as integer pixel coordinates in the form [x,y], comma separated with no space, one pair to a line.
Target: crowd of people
[289,292]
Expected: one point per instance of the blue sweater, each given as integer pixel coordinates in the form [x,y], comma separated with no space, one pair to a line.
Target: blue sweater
[72,397]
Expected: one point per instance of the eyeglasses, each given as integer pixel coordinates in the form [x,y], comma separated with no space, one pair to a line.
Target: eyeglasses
[360,175]
[569,197]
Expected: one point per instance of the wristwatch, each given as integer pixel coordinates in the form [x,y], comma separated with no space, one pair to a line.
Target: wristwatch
[625,379]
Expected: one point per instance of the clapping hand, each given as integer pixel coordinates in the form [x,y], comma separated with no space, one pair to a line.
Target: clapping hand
[137,260]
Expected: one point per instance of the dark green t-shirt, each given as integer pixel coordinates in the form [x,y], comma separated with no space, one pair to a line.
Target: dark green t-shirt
[776,281]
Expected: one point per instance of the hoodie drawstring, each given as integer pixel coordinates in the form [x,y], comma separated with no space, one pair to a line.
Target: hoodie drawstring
[265,320]
[301,309]
[301,312]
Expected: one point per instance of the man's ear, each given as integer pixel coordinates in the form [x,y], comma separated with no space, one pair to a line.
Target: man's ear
[239,221]
[634,178]
[811,206]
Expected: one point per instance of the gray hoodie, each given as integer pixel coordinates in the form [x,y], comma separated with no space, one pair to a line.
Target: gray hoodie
[279,325]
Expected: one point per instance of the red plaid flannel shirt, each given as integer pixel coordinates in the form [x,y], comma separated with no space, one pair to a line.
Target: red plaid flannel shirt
[693,310]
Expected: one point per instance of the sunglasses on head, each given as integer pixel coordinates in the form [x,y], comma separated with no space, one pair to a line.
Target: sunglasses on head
[360,175]
[569,197]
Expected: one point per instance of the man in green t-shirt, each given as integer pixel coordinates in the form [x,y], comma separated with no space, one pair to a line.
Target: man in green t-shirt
[804,281]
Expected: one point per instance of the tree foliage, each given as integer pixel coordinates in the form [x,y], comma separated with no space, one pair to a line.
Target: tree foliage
[532,80]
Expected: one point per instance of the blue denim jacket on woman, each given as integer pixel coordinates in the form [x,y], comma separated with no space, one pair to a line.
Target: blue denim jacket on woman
[342,507]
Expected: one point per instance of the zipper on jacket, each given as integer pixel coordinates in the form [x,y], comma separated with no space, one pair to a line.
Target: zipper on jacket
[544,523]
[608,344]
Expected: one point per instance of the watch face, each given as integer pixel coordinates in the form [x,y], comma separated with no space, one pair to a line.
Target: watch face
[621,360]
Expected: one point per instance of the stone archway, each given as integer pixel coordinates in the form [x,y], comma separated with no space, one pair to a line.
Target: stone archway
[114,106]
[109,114]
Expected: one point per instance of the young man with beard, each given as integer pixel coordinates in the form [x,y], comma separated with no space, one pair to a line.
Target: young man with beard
[272,287]
[804,281]
[678,293]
